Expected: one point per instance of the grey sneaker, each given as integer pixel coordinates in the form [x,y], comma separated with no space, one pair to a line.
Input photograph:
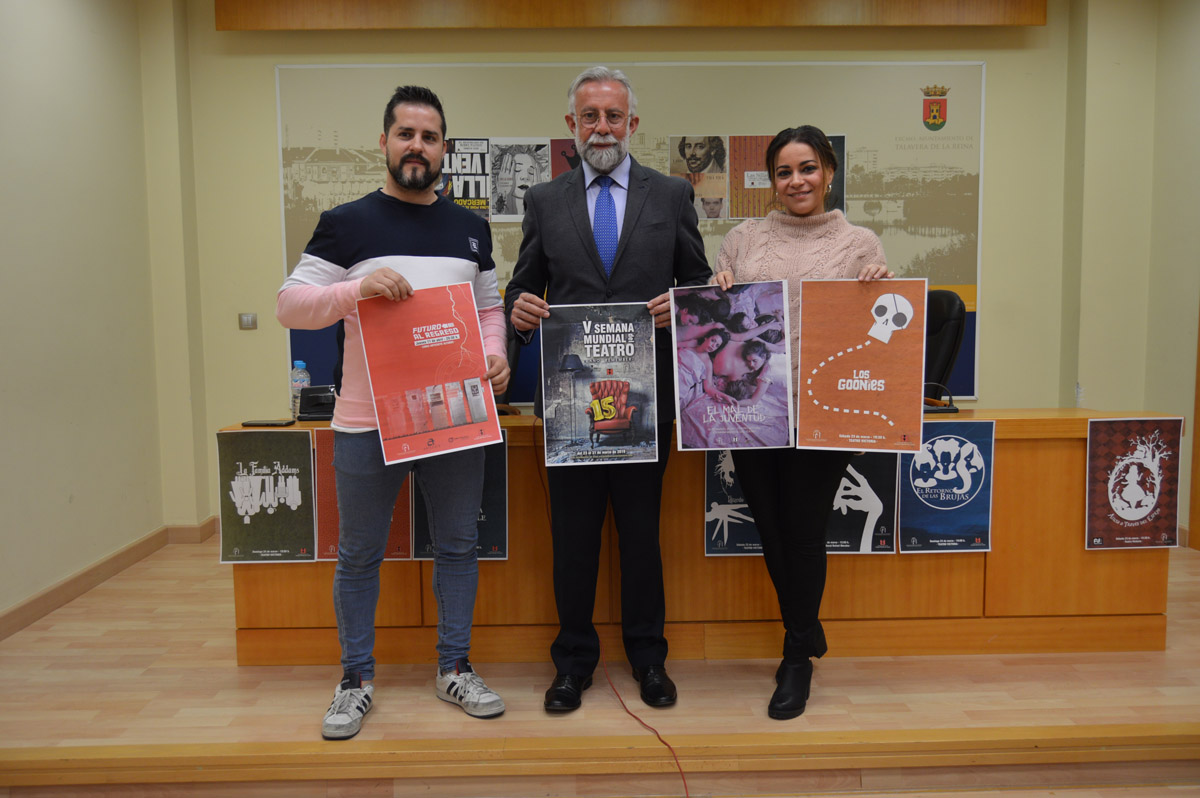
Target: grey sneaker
[351,701]
[463,686]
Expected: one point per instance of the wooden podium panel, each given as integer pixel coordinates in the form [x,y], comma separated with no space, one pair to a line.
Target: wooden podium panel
[1038,589]
[287,595]
[1038,564]
[737,588]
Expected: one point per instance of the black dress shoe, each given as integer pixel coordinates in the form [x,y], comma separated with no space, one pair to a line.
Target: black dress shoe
[657,688]
[791,696]
[566,692]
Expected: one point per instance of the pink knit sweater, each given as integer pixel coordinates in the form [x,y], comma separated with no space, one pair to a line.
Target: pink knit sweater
[795,248]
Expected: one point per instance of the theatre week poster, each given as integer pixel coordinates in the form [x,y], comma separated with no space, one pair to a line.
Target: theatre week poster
[428,373]
[267,503]
[598,384]
[733,366]
[862,365]
[1133,482]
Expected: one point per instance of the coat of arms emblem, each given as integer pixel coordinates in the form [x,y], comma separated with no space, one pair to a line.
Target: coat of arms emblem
[934,107]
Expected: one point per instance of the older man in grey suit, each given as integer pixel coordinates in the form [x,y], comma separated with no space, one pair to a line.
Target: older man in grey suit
[609,230]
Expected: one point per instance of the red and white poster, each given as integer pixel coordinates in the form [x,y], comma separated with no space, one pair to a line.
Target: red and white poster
[428,373]
[1133,482]
[862,365]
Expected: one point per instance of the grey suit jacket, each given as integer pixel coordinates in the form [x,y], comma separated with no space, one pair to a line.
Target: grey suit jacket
[660,247]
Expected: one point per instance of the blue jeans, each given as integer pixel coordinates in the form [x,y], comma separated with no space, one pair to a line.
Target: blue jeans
[367,490]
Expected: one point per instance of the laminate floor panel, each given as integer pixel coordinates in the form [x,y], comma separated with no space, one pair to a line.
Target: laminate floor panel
[149,656]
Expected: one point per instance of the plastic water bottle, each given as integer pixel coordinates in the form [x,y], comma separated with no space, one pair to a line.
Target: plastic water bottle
[300,380]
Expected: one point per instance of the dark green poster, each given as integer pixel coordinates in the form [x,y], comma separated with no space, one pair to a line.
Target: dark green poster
[267,497]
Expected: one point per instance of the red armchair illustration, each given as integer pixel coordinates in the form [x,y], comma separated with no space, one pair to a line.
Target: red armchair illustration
[608,413]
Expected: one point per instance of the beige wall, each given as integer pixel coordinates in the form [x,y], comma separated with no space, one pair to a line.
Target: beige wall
[184,438]
[80,473]
[1068,291]
[1174,280]
[237,171]
[145,215]
[1116,196]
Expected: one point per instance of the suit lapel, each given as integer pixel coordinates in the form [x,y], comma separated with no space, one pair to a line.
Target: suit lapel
[635,200]
[578,211]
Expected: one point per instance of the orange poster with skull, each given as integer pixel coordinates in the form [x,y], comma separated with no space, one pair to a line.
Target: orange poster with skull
[862,365]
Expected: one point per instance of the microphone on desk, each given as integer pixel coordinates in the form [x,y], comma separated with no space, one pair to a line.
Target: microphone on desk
[940,405]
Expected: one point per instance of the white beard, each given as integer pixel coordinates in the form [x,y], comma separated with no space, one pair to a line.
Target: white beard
[602,160]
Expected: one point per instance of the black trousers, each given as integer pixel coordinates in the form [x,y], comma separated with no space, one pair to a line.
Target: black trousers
[579,497]
[790,493]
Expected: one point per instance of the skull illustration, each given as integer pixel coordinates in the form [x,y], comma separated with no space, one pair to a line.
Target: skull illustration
[890,312]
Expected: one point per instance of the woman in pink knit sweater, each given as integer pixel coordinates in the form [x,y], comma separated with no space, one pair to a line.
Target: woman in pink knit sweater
[791,491]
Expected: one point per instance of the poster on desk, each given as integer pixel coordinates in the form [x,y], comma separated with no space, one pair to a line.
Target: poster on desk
[946,489]
[267,495]
[598,384]
[399,542]
[733,366]
[428,373]
[863,520]
[729,527]
[492,521]
[1133,483]
[862,365]
[865,506]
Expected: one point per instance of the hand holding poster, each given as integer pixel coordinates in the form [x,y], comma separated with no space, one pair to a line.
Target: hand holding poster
[862,365]
[428,373]
[598,384]
[733,367]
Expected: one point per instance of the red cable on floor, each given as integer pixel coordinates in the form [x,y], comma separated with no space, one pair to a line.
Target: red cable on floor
[631,714]
[616,692]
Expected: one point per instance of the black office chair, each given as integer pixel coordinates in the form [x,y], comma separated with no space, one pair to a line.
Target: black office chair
[945,321]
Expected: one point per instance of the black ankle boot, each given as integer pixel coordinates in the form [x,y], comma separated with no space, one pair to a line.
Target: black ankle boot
[794,679]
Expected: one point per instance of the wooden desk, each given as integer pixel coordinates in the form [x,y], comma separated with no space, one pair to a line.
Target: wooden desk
[1038,590]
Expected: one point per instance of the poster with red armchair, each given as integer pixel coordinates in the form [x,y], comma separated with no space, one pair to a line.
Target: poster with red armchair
[598,384]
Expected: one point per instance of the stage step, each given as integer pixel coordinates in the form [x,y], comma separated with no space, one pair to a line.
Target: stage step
[785,763]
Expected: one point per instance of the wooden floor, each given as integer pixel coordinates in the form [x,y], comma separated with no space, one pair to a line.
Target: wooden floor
[136,681]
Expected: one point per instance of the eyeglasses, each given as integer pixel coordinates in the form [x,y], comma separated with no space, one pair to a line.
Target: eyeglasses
[615,119]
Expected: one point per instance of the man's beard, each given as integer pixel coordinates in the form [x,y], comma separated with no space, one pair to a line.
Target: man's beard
[417,180]
[698,164]
[602,160]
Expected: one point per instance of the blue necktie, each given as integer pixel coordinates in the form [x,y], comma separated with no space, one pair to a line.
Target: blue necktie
[604,225]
